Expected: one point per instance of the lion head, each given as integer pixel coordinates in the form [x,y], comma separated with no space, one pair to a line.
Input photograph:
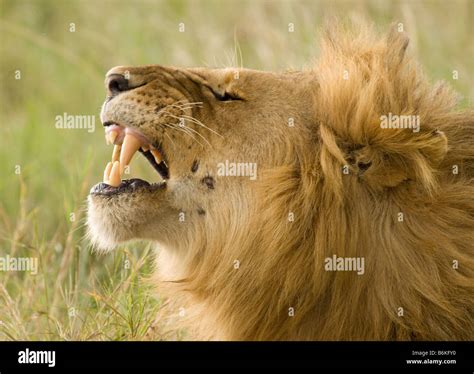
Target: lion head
[266,178]
[190,124]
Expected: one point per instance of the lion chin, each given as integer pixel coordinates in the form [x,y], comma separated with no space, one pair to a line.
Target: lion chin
[333,203]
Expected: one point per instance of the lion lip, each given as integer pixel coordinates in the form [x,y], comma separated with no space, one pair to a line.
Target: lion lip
[126,186]
[161,168]
[121,131]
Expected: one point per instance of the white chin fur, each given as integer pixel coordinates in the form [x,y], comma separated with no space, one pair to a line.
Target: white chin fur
[99,236]
[100,231]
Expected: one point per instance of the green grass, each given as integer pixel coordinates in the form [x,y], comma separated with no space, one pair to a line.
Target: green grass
[77,294]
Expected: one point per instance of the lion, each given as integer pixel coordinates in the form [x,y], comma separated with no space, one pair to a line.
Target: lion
[298,205]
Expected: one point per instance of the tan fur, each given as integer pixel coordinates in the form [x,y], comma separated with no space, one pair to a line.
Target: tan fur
[408,264]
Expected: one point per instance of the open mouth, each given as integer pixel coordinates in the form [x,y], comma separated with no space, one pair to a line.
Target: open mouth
[127,141]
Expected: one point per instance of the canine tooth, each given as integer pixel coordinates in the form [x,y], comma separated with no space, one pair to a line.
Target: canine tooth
[114,178]
[111,136]
[116,153]
[145,148]
[107,171]
[157,155]
[130,145]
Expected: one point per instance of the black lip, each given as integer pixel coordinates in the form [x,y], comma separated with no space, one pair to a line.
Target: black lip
[108,123]
[127,185]
[161,168]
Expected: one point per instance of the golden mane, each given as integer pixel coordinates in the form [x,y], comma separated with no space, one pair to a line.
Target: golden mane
[401,199]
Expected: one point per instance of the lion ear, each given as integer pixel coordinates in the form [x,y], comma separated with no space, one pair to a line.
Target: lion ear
[394,159]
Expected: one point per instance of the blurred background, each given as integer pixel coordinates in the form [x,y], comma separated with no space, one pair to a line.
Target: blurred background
[53,57]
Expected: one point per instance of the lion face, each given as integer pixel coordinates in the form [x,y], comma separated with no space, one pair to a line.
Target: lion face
[190,124]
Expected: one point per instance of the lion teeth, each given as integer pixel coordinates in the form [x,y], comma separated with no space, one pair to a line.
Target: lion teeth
[157,155]
[114,177]
[130,145]
[107,171]
[116,153]
[123,153]
[111,136]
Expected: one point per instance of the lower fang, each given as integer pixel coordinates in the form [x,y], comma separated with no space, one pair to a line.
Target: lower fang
[114,178]
[107,171]
[116,153]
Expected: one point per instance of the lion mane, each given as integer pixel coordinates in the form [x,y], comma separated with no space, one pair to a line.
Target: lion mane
[400,199]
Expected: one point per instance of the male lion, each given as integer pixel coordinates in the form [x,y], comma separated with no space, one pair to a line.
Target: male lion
[272,255]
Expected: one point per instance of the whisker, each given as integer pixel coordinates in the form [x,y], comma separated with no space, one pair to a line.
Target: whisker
[191,120]
[187,105]
[171,127]
[179,128]
[189,128]
[198,122]
[183,129]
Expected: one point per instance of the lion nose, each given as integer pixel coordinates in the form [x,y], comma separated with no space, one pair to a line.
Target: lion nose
[116,83]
